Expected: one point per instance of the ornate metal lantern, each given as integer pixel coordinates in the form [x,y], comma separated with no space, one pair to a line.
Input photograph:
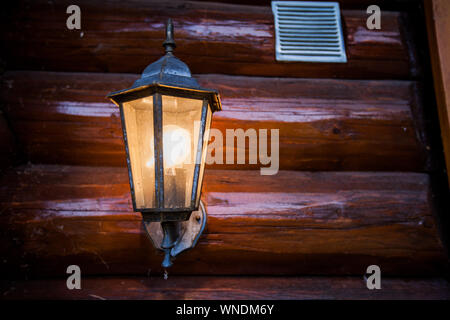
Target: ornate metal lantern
[166,118]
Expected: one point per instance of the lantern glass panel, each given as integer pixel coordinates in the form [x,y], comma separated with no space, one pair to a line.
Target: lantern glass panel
[181,128]
[138,116]
[203,155]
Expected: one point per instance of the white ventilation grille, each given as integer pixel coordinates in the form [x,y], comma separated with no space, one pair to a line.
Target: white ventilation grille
[308,31]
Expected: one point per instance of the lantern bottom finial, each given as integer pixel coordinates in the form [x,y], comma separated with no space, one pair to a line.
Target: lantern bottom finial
[176,237]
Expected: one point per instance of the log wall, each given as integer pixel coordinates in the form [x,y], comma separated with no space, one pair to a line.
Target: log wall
[230,288]
[323,124]
[354,185]
[211,38]
[291,223]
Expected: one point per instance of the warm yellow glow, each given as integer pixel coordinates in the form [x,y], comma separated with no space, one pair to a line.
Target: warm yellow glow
[176,146]
[177,143]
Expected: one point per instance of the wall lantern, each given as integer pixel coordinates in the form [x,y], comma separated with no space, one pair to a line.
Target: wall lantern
[166,118]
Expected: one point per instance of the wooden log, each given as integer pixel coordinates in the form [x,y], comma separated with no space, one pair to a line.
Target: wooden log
[344,4]
[211,38]
[323,124]
[292,223]
[229,288]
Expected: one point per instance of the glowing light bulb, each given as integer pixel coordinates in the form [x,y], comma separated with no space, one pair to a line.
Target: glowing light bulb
[176,146]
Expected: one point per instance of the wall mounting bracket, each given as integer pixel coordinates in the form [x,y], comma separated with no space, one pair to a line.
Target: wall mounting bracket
[188,231]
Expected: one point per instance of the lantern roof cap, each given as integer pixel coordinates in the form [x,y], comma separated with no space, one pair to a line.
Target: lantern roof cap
[168,71]
[168,68]
[167,64]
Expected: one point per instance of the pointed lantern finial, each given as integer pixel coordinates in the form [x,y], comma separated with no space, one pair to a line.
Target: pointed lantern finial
[169,43]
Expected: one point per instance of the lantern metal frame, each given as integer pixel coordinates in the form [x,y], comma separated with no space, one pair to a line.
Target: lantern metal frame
[169,76]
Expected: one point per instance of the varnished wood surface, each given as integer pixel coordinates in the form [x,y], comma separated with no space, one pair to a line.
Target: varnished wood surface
[292,223]
[438,25]
[229,288]
[119,36]
[344,4]
[323,124]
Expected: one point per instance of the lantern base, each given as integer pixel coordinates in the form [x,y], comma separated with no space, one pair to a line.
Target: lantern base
[189,232]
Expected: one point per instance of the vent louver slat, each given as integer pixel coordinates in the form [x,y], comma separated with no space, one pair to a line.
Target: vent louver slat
[308,31]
